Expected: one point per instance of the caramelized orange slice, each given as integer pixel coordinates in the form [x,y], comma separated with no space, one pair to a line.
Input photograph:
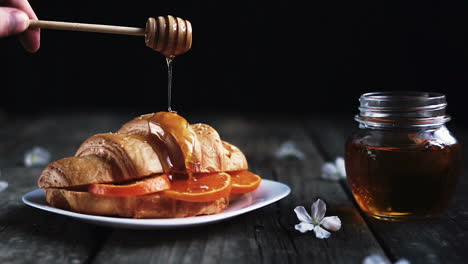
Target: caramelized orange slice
[142,187]
[244,181]
[201,187]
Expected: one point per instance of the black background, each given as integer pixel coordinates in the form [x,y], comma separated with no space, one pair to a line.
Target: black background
[274,57]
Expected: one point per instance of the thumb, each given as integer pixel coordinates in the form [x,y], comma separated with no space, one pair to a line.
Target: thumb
[12,21]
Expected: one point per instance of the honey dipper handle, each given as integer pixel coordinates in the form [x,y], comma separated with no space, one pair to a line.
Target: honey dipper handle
[87,27]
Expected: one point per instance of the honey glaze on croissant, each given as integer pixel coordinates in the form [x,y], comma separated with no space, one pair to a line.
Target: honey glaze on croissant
[155,166]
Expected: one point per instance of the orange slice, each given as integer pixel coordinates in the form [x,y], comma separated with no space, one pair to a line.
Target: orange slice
[142,187]
[201,187]
[244,181]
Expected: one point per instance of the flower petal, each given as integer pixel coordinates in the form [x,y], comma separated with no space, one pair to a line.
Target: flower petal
[402,261]
[319,208]
[332,223]
[330,172]
[340,167]
[302,214]
[289,149]
[37,156]
[3,185]
[321,233]
[304,227]
[375,259]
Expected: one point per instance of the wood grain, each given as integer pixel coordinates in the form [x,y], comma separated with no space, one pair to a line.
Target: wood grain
[29,235]
[60,133]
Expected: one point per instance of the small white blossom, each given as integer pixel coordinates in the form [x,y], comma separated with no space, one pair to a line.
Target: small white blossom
[317,220]
[379,259]
[3,185]
[334,171]
[37,156]
[289,150]
[340,166]
[329,172]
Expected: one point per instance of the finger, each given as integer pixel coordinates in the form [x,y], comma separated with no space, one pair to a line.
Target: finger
[12,21]
[30,39]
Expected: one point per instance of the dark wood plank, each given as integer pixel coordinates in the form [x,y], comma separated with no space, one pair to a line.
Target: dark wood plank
[10,129]
[29,235]
[60,133]
[266,235]
[438,241]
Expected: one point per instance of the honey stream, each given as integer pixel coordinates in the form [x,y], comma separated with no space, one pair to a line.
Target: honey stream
[170,63]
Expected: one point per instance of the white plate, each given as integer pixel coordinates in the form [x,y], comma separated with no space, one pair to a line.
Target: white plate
[268,192]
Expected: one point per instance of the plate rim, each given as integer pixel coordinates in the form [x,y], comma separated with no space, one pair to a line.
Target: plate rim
[159,222]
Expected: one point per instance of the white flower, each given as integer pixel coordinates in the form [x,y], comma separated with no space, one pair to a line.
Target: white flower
[314,222]
[334,170]
[37,156]
[3,185]
[340,166]
[289,150]
[379,259]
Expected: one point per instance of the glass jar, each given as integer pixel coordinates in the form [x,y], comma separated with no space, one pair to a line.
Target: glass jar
[403,162]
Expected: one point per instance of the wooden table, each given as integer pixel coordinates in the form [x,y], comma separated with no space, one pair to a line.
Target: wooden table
[267,235]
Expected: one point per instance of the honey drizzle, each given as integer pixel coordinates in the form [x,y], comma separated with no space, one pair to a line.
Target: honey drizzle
[176,142]
[170,63]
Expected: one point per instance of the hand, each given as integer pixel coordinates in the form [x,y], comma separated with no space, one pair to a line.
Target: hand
[14,19]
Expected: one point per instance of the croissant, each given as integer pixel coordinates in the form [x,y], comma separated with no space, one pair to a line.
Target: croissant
[147,147]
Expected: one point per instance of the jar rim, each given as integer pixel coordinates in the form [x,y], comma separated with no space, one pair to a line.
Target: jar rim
[402,108]
[402,99]
[404,93]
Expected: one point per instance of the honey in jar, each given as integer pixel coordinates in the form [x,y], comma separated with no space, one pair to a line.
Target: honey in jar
[403,162]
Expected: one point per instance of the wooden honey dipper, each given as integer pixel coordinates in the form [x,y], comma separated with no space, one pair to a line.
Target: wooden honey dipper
[169,35]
